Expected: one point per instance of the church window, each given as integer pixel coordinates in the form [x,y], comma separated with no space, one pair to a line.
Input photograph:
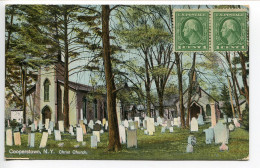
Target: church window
[46,90]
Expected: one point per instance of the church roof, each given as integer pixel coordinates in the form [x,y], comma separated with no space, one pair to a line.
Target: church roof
[78,86]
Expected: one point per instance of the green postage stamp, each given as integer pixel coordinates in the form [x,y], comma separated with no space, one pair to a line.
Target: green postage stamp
[210,30]
[191,30]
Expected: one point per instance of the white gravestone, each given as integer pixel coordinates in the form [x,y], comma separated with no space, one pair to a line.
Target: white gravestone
[32,127]
[172,123]
[163,130]
[40,126]
[97,133]
[221,133]
[49,131]
[131,138]
[9,137]
[70,129]
[91,124]
[145,132]
[126,123]
[122,134]
[47,123]
[79,134]
[17,138]
[57,135]
[171,129]
[106,126]
[159,120]
[98,121]
[61,126]
[44,140]
[150,125]
[93,141]
[200,120]
[31,140]
[194,125]
[85,121]
[209,135]
[189,148]
[175,122]
[51,125]
[138,120]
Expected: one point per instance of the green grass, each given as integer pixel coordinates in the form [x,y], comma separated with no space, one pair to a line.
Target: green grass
[166,146]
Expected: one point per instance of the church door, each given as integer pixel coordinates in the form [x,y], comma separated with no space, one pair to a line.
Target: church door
[46,114]
[195,111]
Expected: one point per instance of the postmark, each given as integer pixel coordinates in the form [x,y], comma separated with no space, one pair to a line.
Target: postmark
[191,30]
[229,30]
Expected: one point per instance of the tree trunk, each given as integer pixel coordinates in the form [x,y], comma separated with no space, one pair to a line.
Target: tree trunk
[234,85]
[179,72]
[190,89]
[24,87]
[114,142]
[161,108]
[148,100]
[231,100]
[66,72]
[244,75]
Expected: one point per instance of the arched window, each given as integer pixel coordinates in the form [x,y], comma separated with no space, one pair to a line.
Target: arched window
[46,90]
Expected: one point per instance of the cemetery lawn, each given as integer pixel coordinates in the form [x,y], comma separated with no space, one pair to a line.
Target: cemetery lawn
[160,146]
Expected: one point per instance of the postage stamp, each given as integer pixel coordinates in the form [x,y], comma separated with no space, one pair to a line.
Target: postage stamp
[191,30]
[230,30]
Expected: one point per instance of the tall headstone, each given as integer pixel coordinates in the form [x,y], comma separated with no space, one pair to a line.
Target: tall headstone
[79,134]
[61,126]
[97,134]
[209,135]
[9,137]
[122,134]
[104,122]
[159,120]
[175,121]
[221,133]
[85,121]
[200,120]
[49,131]
[17,138]
[44,140]
[93,141]
[150,125]
[145,124]
[71,129]
[51,125]
[131,138]
[189,148]
[31,139]
[99,122]
[57,135]
[106,126]
[213,115]
[32,127]
[194,125]
[47,121]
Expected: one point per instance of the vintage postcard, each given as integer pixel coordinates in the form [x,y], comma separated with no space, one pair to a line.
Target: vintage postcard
[126,82]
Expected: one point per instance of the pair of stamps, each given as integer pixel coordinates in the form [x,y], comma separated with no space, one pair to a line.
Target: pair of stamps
[210,30]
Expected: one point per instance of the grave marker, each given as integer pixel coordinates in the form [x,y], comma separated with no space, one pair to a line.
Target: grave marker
[91,124]
[17,138]
[122,134]
[194,125]
[209,135]
[31,139]
[221,133]
[9,137]
[47,123]
[126,123]
[57,135]
[51,125]
[97,134]
[44,140]
[93,141]
[200,120]
[61,126]
[79,134]
[171,129]
[131,138]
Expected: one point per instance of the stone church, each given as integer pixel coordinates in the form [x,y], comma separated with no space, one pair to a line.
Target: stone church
[45,98]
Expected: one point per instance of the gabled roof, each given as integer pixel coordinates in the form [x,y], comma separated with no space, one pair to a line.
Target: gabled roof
[78,86]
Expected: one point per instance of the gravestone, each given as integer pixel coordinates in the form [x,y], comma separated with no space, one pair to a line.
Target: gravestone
[225,118]
[31,140]
[231,127]
[93,141]
[189,148]
[99,122]
[44,140]
[101,131]
[192,140]
[49,131]
[61,126]
[150,125]
[126,124]
[32,127]
[40,126]
[85,121]
[150,132]
[138,121]
[47,123]
[172,123]
[163,130]
[194,125]
[209,135]
[97,127]
[168,123]
[131,138]
[159,120]
[236,123]
[131,125]
[57,135]
[213,114]
[122,134]
[79,132]
[223,147]
[200,120]
[70,129]
[175,122]
[221,133]
[145,132]
[104,122]
[145,124]
[17,138]
[51,125]
[106,126]
[9,137]
[171,129]
[97,134]
[91,124]
[84,129]
[229,120]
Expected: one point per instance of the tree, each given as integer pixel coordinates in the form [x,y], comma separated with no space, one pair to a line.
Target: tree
[114,142]
[225,98]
